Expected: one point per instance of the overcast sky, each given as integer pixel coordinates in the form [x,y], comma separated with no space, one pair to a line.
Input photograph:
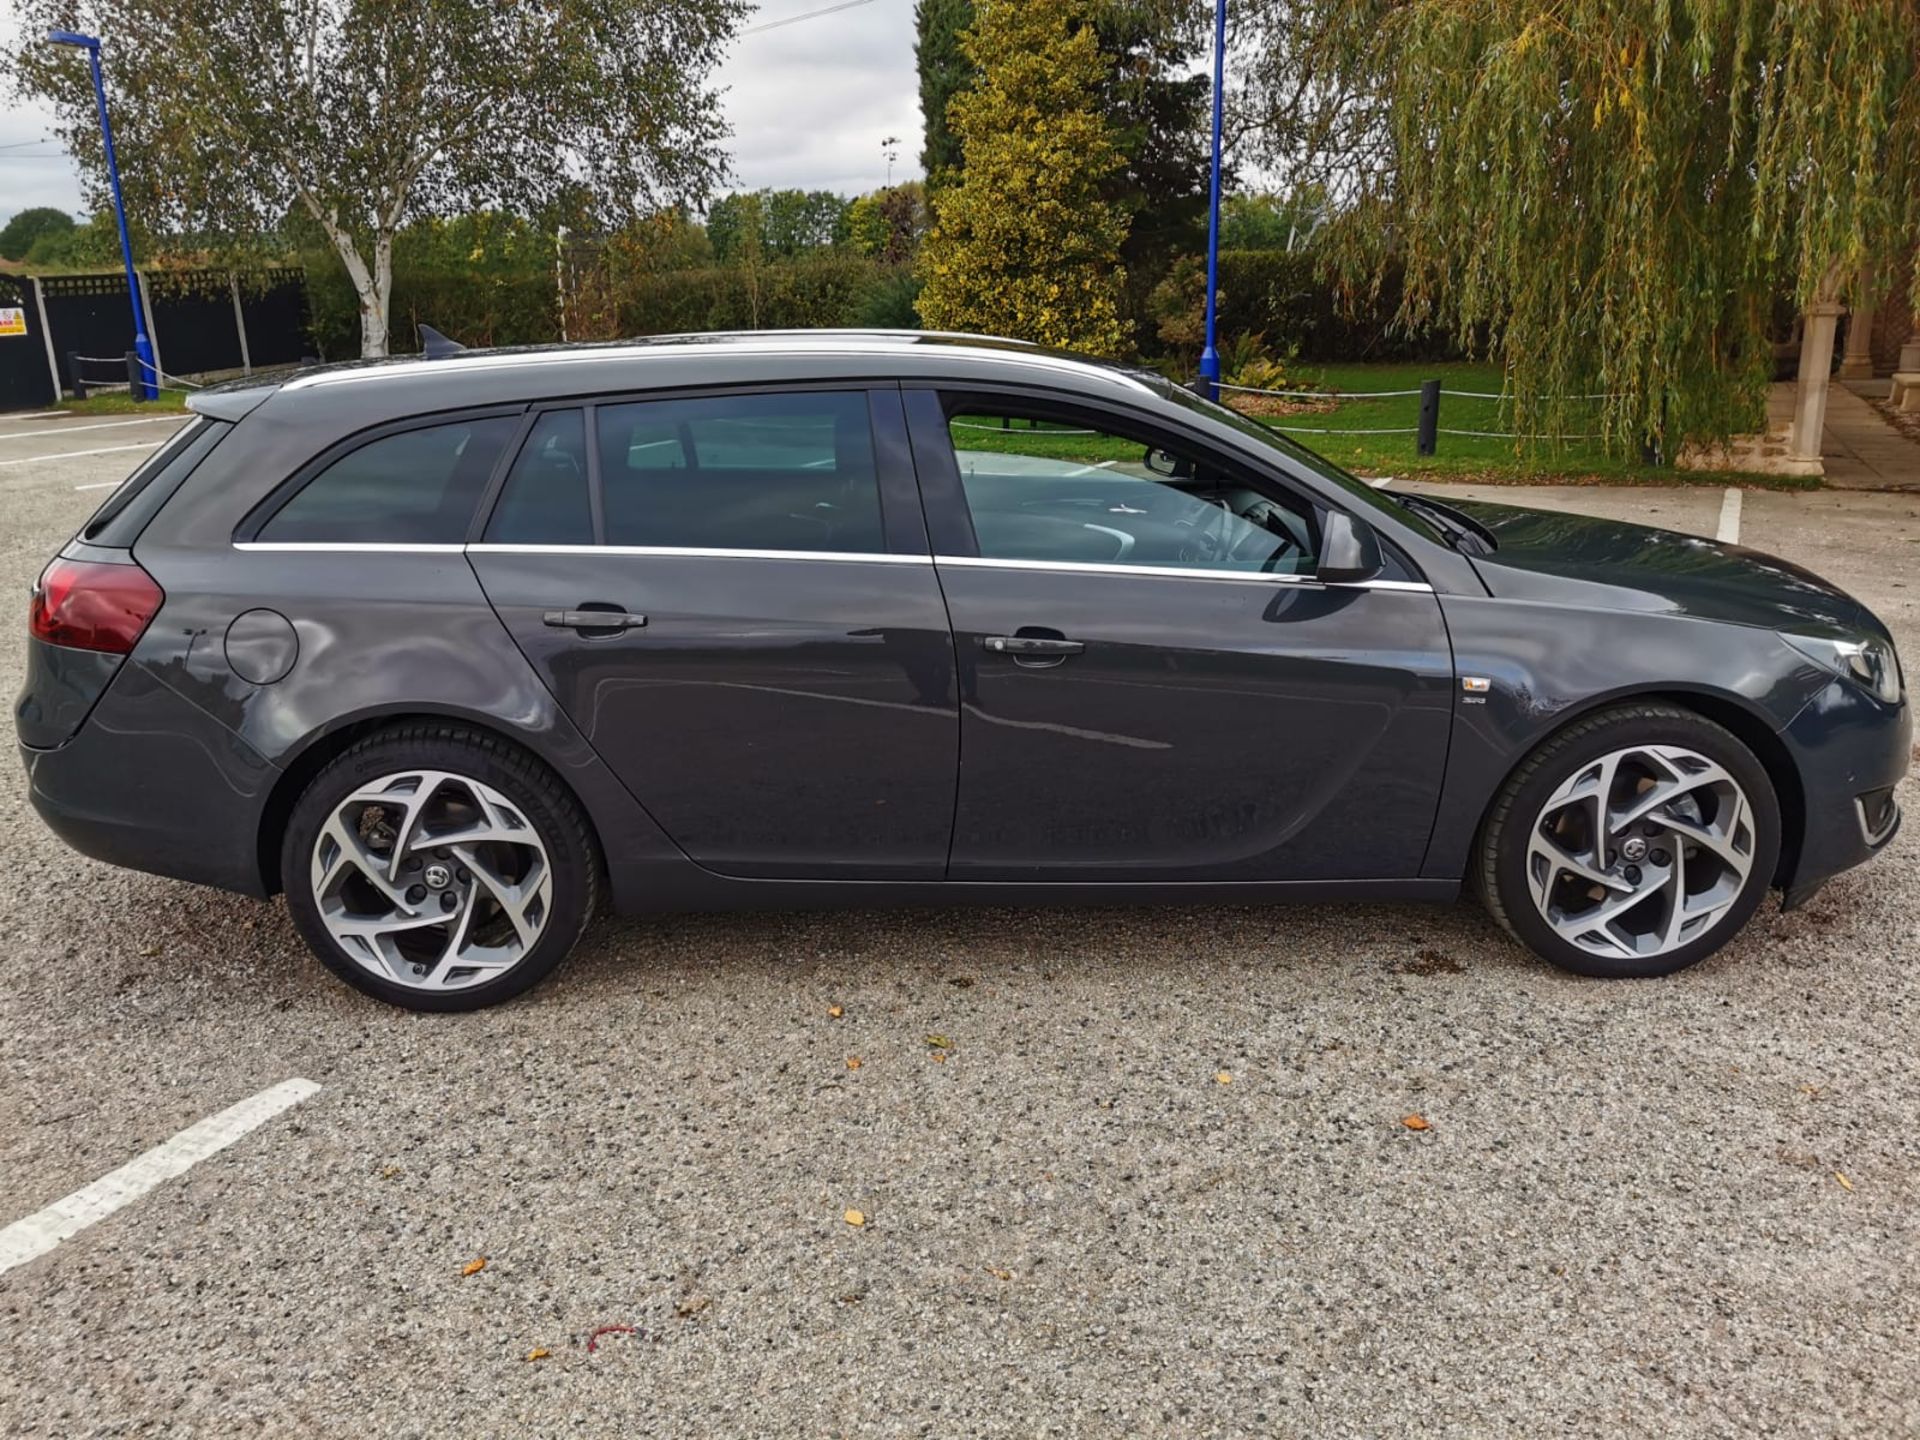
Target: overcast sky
[810,104]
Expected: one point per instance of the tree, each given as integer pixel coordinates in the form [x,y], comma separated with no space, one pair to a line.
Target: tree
[889,223]
[17,238]
[1026,244]
[945,71]
[367,113]
[1614,191]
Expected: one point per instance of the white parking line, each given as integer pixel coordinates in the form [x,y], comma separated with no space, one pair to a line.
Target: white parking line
[102,485]
[1729,531]
[98,425]
[71,454]
[34,1236]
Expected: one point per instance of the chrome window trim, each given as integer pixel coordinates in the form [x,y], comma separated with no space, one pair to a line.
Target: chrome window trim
[843,557]
[359,547]
[1175,572]
[865,557]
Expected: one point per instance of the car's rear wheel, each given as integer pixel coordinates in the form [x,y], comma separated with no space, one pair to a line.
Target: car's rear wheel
[439,868]
[1635,842]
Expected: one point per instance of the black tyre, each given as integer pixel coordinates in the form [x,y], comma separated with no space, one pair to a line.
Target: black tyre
[439,868]
[1635,842]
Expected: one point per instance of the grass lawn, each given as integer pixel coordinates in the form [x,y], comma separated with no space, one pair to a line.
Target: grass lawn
[1478,459]
[119,403]
[1471,458]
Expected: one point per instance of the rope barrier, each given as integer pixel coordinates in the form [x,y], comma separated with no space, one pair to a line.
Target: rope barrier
[181,384]
[968,425]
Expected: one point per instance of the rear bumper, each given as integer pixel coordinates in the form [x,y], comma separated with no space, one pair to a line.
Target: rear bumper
[1852,751]
[152,783]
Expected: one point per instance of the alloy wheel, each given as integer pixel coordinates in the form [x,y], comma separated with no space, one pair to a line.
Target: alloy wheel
[432,880]
[1640,851]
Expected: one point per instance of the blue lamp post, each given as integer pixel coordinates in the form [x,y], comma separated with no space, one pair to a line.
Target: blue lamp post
[1210,357]
[142,345]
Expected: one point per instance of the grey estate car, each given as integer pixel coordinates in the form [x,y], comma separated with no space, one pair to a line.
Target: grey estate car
[447,648]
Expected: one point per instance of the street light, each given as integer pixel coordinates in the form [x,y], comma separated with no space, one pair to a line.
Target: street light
[143,386]
[1210,357]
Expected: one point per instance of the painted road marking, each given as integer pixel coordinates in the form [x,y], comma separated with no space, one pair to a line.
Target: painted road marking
[74,454]
[101,425]
[1729,531]
[102,485]
[34,1236]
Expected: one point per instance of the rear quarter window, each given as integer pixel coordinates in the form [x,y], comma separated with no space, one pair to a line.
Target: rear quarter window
[416,487]
[138,498]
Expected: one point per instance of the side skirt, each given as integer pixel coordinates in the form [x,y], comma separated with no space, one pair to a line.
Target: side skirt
[688,889]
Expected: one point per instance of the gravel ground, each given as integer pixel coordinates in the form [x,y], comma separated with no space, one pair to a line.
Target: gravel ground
[1157,1181]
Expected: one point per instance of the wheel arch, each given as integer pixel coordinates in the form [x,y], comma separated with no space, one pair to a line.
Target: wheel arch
[321,748]
[1731,712]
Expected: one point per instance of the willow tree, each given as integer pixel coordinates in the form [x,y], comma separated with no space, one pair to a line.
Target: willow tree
[1613,193]
[1026,243]
[363,114]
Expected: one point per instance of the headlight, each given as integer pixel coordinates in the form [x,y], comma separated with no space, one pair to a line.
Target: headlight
[1870,662]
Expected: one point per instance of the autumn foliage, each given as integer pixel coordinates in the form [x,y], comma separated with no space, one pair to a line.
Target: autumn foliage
[1024,244]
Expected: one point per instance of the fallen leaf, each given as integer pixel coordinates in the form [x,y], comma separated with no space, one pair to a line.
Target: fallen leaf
[692,1306]
[1415,1122]
[392,1172]
[538,1354]
[939,1042]
[999,1274]
[853,1062]
[1810,1089]
[939,1057]
[474,1266]
[1845,1184]
[855,1218]
[1223,1078]
[834,1012]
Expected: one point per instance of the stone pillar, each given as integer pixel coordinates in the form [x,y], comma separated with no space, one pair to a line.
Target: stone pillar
[1816,372]
[1905,394]
[1857,363]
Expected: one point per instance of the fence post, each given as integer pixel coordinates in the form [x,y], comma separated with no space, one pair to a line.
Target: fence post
[46,336]
[73,369]
[137,372]
[1429,417]
[240,324]
[153,338]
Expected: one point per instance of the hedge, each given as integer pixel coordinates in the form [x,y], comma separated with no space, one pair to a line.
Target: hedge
[1287,297]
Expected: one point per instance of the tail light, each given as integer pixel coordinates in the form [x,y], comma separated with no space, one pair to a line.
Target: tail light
[86,605]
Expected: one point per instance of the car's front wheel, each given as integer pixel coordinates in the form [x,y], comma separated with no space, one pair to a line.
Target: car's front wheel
[1635,842]
[439,868]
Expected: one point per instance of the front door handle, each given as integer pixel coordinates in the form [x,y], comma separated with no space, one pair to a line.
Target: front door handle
[608,619]
[1034,650]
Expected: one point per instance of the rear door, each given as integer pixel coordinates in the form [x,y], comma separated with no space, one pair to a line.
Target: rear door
[1154,685]
[731,594]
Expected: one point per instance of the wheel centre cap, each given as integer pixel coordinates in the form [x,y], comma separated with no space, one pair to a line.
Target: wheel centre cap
[439,877]
[1634,849]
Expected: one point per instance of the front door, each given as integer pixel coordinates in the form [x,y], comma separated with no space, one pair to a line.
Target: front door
[1153,685]
[731,596]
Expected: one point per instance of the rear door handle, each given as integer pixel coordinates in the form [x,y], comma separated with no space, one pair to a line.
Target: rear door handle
[1031,645]
[611,620]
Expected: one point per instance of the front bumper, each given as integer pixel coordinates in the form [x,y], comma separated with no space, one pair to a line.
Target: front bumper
[1851,750]
[151,782]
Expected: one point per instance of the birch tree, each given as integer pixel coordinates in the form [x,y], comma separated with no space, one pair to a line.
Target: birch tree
[230,115]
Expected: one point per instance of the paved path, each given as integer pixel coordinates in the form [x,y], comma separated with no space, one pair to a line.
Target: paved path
[1859,449]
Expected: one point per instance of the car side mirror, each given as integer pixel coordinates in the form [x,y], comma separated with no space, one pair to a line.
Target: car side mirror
[1349,551]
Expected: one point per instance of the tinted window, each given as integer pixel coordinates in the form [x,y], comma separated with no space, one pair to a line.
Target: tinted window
[1043,490]
[545,501]
[743,472]
[418,487]
[139,497]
